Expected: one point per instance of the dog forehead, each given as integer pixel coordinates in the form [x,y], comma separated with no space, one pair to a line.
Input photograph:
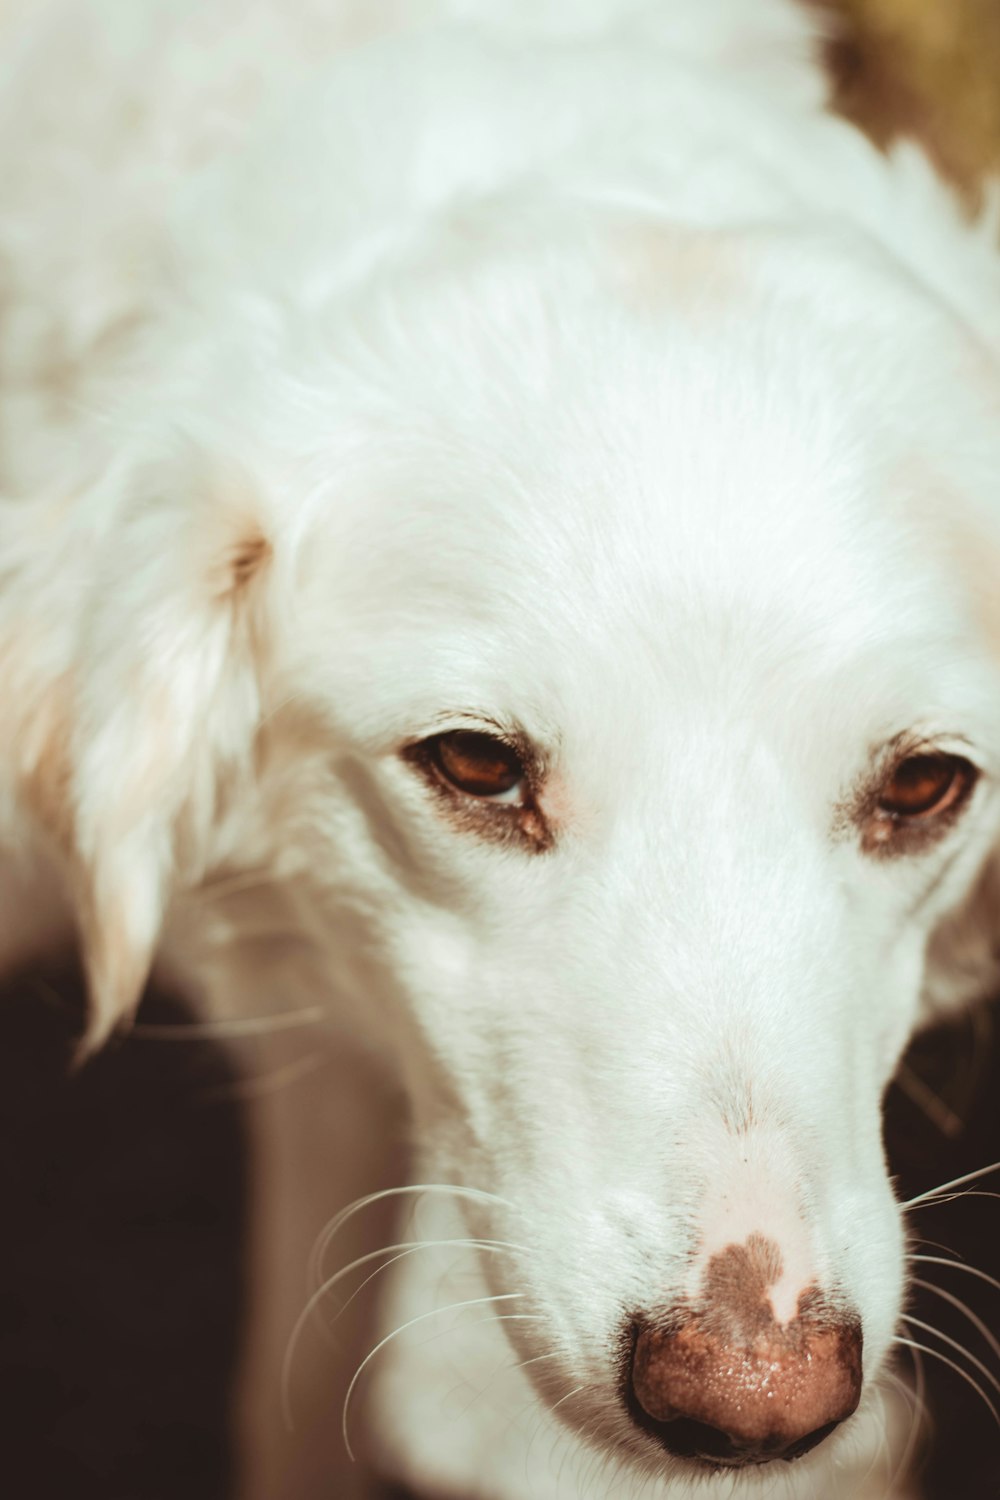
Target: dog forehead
[649,383]
[635,474]
[575,602]
[544,475]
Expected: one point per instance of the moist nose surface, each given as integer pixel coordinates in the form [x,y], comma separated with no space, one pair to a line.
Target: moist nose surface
[726,1382]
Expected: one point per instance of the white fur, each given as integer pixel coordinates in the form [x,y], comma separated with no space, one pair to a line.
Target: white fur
[365,368]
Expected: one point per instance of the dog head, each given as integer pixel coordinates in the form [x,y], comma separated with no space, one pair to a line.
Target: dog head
[604,641]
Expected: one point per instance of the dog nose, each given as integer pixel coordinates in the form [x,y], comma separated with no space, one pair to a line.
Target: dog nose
[728,1384]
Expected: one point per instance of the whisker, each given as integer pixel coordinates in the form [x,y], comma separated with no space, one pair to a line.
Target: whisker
[956,1182]
[920,1415]
[188,1031]
[230,885]
[409,1248]
[331,1281]
[268,1083]
[933,1106]
[934,1245]
[959,1265]
[568,1397]
[509,1369]
[279,707]
[920,1392]
[881,1455]
[537,1359]
[544,1412]
[945,1338]
[430,1338]
[936,1354]
[949,1198]
[479,1323]
[906,1390]
[327,1235]
[420,1318]
[976,1322]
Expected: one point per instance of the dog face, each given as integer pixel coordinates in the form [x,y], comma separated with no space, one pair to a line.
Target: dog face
[615,689]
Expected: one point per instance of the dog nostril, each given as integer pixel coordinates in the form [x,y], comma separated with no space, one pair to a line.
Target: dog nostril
[729,1385]
[685,1438]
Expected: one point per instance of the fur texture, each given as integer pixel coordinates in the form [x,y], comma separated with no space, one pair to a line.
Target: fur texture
[375,372]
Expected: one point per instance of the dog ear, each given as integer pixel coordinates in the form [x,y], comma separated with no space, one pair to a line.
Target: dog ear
[159,719]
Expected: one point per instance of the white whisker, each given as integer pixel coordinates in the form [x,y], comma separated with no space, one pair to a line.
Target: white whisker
[915,1396]
[279,707]
[404,1250]
[537,1359]
[220,1030]
[327,1286]
[967,1312]
[327,1235]
[509,1369]
[915,1403]
[946,1187]
[945,1338]
[270,1083]
[568,1397]
[431,1338]
[880,1421]
[935,1245]
[420,1318]
[546,1411]
[949,1198]
[959,1265]
[936,1354]
[229,885]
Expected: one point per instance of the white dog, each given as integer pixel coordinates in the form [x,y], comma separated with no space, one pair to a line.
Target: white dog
[524,482]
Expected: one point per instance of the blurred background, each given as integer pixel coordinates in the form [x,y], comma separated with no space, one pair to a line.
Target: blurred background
[125,1192]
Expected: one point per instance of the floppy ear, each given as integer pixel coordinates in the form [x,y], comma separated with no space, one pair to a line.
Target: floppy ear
[165,706]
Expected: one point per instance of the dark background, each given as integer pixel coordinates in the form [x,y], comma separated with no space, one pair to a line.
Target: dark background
[123,1193]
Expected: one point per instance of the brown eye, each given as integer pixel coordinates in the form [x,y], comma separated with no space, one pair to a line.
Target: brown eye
[478,764]
[923,786]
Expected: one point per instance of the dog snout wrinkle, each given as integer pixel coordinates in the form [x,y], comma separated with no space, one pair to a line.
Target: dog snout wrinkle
[728,1384]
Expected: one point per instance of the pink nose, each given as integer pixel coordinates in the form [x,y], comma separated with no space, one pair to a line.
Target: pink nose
[727,1384]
